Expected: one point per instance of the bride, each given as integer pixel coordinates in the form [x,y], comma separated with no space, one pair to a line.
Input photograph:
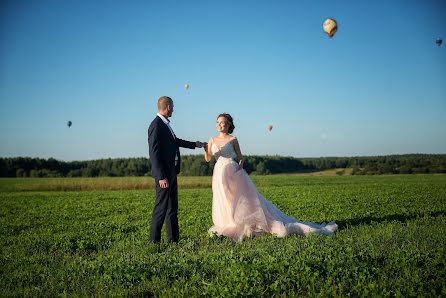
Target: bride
[238,209]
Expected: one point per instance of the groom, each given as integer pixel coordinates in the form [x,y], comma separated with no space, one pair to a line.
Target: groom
[165,157]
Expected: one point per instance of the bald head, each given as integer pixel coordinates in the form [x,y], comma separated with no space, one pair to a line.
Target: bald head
[163,102]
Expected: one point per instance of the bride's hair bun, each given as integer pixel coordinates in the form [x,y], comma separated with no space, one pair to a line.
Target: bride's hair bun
[230,121]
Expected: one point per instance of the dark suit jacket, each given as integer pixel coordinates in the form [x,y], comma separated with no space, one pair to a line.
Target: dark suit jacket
[162,149]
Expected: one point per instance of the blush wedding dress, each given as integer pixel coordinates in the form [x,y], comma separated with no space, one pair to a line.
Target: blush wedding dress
[239,211]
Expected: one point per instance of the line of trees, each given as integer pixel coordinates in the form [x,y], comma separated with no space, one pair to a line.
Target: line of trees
[195,165]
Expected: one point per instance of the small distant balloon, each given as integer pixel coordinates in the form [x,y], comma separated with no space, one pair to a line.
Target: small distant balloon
[270,127]
[330,27]
[439,41]
[186,86]
[69,123]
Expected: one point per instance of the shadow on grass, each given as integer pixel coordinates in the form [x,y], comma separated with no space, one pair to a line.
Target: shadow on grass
[403,218]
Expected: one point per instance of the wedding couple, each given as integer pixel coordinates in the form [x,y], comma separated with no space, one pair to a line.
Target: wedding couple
[238,209]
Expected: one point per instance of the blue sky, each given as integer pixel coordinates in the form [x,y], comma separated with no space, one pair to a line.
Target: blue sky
[378,87]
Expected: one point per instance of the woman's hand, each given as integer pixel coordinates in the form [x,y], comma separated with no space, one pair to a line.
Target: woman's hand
[240,164]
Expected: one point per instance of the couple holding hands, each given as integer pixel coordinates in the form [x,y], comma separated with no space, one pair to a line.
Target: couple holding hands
[239,211]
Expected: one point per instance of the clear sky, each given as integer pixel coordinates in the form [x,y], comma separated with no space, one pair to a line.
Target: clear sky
[377,88]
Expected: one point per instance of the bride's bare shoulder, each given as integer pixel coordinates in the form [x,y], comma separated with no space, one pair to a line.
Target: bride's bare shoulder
[215,139]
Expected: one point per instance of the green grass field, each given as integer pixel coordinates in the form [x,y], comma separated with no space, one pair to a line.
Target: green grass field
[82,237]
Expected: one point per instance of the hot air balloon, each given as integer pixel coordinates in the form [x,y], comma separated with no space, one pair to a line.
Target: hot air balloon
[439,41]
[270,127]
[69,123]
[330,27]
[186,86]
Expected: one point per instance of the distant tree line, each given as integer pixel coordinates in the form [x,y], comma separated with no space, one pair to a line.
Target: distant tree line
[195,165]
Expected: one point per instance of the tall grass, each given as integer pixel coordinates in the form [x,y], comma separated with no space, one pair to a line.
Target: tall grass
[186,182]
[96,183]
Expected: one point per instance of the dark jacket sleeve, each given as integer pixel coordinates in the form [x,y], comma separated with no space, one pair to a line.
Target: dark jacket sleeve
[185,144]
[155,152]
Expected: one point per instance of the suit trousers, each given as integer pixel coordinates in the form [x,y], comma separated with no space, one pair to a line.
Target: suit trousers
[166,209]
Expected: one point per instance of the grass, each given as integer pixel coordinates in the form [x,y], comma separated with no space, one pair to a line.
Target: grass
[392,231]
[97,183]
[144,183]
[330,172]
[129,183]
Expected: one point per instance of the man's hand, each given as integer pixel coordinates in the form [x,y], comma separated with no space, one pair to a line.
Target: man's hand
[199,144]
[164,183]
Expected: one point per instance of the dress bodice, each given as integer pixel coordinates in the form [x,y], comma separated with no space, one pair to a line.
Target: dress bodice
[226,151]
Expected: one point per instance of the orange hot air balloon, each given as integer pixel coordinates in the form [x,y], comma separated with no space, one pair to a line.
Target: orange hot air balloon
[186,86]
[270,127]
[330,27]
